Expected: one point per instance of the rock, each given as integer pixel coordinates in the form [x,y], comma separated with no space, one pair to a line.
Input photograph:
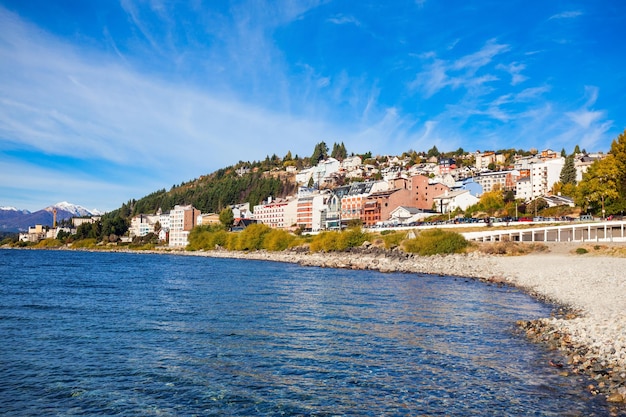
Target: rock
[615,398]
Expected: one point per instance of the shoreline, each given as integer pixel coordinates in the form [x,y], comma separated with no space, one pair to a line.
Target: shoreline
[589,328]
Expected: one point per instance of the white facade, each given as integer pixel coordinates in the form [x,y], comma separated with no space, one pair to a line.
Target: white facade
[304,176]
[524,189]
[450,201]
[325,169]
[143,224]
[544,175]
[164,219]
[182,220]
[491,180]
[279,214]
[351,163]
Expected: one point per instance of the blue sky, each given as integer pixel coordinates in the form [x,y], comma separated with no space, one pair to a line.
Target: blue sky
[104,101]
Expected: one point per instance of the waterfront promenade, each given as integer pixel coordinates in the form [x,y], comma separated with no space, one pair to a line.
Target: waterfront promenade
[605,231]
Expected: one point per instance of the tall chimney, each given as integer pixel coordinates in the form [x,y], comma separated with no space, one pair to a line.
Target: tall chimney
[54,217]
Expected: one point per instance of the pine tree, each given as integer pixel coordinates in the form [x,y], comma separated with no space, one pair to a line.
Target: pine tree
[339,151]
[568,172]
[433,152]
[320,152]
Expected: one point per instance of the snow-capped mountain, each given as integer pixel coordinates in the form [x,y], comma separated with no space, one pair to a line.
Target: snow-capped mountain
[14,220]
[74,209]
[6,208]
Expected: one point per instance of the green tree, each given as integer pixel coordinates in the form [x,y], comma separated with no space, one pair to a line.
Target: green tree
[568,172]
[227,217]
[319,153]
[600,185]
[339,151]
[433,152]
[576,150]
[618,150]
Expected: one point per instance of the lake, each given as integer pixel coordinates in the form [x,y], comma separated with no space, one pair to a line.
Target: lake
[143,334]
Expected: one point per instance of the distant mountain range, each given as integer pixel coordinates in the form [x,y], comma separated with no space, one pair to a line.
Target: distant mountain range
[14,220]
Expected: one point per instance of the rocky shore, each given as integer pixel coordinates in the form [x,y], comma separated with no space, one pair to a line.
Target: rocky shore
[590,329]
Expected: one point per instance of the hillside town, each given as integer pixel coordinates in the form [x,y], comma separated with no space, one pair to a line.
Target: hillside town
[393,192]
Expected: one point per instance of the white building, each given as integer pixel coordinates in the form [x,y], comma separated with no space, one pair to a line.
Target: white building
[325,169]
[524,189]
[311,210]
[241,211]
[491,180]
[303,177]
[544,175]
[143,224]
[452,200]
[351,163]
[182,220]
[278,214]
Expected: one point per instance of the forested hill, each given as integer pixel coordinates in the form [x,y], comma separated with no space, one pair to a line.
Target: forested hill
[244,182]
[213,192]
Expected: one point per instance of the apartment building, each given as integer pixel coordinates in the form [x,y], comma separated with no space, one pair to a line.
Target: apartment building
[182,220]
[311,211]
[278,214]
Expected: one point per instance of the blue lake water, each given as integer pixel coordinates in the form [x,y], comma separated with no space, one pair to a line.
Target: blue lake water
[140,334]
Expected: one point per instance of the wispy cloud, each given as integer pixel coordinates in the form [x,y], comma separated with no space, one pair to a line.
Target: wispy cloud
[514,69]
[570,14]
[62,101]
[459,73]
[344,19]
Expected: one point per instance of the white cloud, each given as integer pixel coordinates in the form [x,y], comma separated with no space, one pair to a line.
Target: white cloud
[514,69]
[344,19]
[473,62]
[460,73]
[567,15]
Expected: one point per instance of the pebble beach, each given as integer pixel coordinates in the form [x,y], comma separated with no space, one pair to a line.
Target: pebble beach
[590,328]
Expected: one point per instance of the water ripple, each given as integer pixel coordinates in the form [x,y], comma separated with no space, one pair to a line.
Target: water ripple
[120,334]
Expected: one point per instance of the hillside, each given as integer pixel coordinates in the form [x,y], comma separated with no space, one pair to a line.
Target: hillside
[213,192]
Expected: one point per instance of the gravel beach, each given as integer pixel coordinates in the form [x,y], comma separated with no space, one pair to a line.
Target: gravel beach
[592,288]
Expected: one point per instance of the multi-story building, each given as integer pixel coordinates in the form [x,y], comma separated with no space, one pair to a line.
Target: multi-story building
[311,211]
[352,203]
[446,165]
[182,220]
[143,224]
[485,159]
[333,208]
[545,174]
[494,180]
[449,201]
[208,219]
[421,191]
[378,206]
[278,214]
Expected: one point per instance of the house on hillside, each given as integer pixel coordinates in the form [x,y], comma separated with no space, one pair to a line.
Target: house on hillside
[402,214]
[241,223]
[449,201]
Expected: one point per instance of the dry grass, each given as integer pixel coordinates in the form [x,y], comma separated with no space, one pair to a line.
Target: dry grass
[600,249]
